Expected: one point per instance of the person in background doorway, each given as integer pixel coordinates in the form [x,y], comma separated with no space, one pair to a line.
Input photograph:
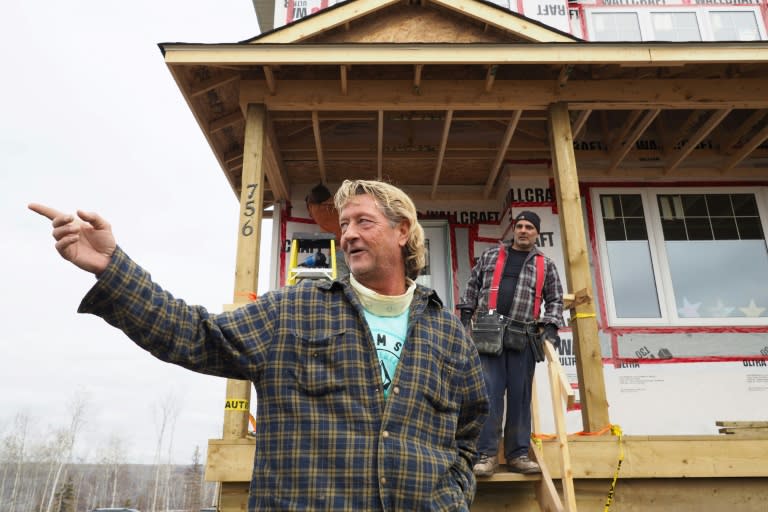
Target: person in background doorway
[370,394]
[512,371]
[320,206]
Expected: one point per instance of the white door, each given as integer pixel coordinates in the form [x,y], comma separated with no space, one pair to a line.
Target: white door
[437,274]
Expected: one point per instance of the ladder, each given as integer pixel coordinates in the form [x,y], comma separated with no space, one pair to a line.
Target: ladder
[320,263]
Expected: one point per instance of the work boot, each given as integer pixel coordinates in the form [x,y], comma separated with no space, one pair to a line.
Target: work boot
[486,466]
[523,464]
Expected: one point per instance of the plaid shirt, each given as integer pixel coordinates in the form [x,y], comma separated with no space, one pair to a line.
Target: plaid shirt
[325,439]
[479,287]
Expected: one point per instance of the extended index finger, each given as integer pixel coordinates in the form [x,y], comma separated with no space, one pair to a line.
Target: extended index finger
[45,211]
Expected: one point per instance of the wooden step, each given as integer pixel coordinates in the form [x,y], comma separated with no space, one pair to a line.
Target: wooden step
[505,475]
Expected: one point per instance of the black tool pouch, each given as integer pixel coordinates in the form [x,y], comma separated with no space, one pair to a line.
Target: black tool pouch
[518,335]
[487,332]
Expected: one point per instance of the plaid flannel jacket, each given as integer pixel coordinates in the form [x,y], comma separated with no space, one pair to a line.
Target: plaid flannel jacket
[479,287]
[325,438]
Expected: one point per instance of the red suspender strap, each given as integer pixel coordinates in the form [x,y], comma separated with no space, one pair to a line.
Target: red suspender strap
[539,286]
[497,272]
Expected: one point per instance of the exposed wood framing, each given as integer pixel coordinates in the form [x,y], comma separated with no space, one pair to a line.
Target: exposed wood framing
[580,122]
[502,151]
[269,77]
[512,94]
[705,129]
[441,151]
[343,78]
[657,54]
[746,149]
[618,155]
[318,145]
[490,77]
[248,240]
[589,362]
[275,172]
[564,75]
[758,116]
[417,70]
[203,87]
[224,121]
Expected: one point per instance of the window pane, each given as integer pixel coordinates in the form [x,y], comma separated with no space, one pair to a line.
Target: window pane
[750,228]
[634,286]
[694,205]
[719,205]
[675,26]
[734,26]
[617,26]
[614,229]
[725,228]
[636,229]
[744,204]
[698,228]
[714,279]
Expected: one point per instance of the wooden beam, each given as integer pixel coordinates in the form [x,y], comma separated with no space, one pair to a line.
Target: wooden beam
[589,362]
[746,149]
[441,151]
[275,169]
[502,150]
[269,77]
[637,132]
[228,120]
[606,54]
[248,242]
[741,131]
[618,138]
[343,77]
[203,87]
[490,77]
[318,145]
[510,95]
[580,122]
[710,124]
[646,457]
[417,70]
[380,146]
[564,75]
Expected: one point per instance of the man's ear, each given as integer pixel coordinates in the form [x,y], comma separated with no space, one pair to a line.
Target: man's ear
[403,229]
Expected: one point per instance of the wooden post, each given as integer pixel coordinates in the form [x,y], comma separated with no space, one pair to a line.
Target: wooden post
[247,266]
[589,361]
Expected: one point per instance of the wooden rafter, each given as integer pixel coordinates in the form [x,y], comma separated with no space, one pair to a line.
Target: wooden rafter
[564,75]
[269,77]
[227,120]
[380,146]
[746,149]
[417,69]
[203,87]
[705,129]
[619,138]
[490,77]
[681,132]
[580,122]
[499,160]
[618,155]
[758,116]
[318,145]
[275,170]
[441,151]
[343,69]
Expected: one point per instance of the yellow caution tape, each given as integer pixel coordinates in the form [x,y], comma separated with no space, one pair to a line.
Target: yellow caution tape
[234,404]
[583,315]
[616,431]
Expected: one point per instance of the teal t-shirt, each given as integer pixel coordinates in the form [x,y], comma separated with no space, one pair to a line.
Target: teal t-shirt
[388,337]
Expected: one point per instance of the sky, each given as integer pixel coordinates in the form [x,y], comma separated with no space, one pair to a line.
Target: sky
[92,119]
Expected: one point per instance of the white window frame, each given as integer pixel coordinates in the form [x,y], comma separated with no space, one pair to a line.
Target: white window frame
[659,261]
[702,18]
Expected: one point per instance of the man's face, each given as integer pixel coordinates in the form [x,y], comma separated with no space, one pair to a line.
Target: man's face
[525,236]
[373,248]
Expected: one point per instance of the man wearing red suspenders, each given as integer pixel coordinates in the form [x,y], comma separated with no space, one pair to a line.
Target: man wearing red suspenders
[524,278]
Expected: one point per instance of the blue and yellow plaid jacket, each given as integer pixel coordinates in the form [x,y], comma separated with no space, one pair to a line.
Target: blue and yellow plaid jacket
[325,439]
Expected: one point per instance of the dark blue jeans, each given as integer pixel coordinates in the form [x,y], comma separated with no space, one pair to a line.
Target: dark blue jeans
[511,372]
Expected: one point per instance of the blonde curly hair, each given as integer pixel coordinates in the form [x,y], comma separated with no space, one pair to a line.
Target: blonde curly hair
[396,207]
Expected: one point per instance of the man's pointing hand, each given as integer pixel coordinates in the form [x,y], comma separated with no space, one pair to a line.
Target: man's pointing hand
[86,240]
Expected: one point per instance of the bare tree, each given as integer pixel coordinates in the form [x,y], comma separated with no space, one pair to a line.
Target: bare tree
[77,407]
[166,411]
[20,435]
[193,483]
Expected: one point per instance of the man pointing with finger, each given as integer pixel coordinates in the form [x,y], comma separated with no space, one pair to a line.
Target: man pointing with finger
[343,423]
